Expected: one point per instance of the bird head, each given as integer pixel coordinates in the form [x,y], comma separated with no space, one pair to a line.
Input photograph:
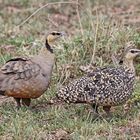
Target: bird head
[53,36]
[132,53]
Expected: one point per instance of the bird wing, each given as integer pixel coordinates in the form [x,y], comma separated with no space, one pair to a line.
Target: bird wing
[107,70]
[21,68]
[107,79]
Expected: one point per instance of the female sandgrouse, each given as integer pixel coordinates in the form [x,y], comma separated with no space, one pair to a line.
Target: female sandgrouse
[108,86]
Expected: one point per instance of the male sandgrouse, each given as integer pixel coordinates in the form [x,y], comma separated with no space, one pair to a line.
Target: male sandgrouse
[26,78]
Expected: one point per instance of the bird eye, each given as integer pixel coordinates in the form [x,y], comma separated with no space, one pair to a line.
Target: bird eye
[53,33]
[132,51]
[57,33]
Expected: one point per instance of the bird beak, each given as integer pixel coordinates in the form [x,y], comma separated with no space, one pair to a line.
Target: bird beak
[62,33]
[138,51]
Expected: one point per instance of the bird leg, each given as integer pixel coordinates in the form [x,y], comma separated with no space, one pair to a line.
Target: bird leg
[18,102]
[107,110]
[26,101]
[95,108]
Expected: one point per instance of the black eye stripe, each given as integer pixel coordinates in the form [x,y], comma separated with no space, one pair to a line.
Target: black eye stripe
[58,33]
[55,33]
[132,51]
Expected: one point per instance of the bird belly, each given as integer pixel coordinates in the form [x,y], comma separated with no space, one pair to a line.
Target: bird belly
[103,97]
[27,93]
[32,88]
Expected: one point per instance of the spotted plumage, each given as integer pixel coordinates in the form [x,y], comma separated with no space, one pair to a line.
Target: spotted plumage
[108,86]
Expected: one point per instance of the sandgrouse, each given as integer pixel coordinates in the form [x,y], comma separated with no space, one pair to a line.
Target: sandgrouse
[106,86]
[26,78]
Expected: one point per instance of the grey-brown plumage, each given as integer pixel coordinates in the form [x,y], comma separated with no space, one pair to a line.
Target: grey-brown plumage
[26,78]
[109,86]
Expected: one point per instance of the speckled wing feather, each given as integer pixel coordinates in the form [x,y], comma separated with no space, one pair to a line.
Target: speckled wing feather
[21,68]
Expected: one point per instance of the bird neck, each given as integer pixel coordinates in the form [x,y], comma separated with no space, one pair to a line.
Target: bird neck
[47,45]
[129,64]
[47,51]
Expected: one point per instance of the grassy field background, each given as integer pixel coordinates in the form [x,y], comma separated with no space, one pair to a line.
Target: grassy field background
[96,30]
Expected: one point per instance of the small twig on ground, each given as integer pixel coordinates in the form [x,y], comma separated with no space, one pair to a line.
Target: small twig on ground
[35,12]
